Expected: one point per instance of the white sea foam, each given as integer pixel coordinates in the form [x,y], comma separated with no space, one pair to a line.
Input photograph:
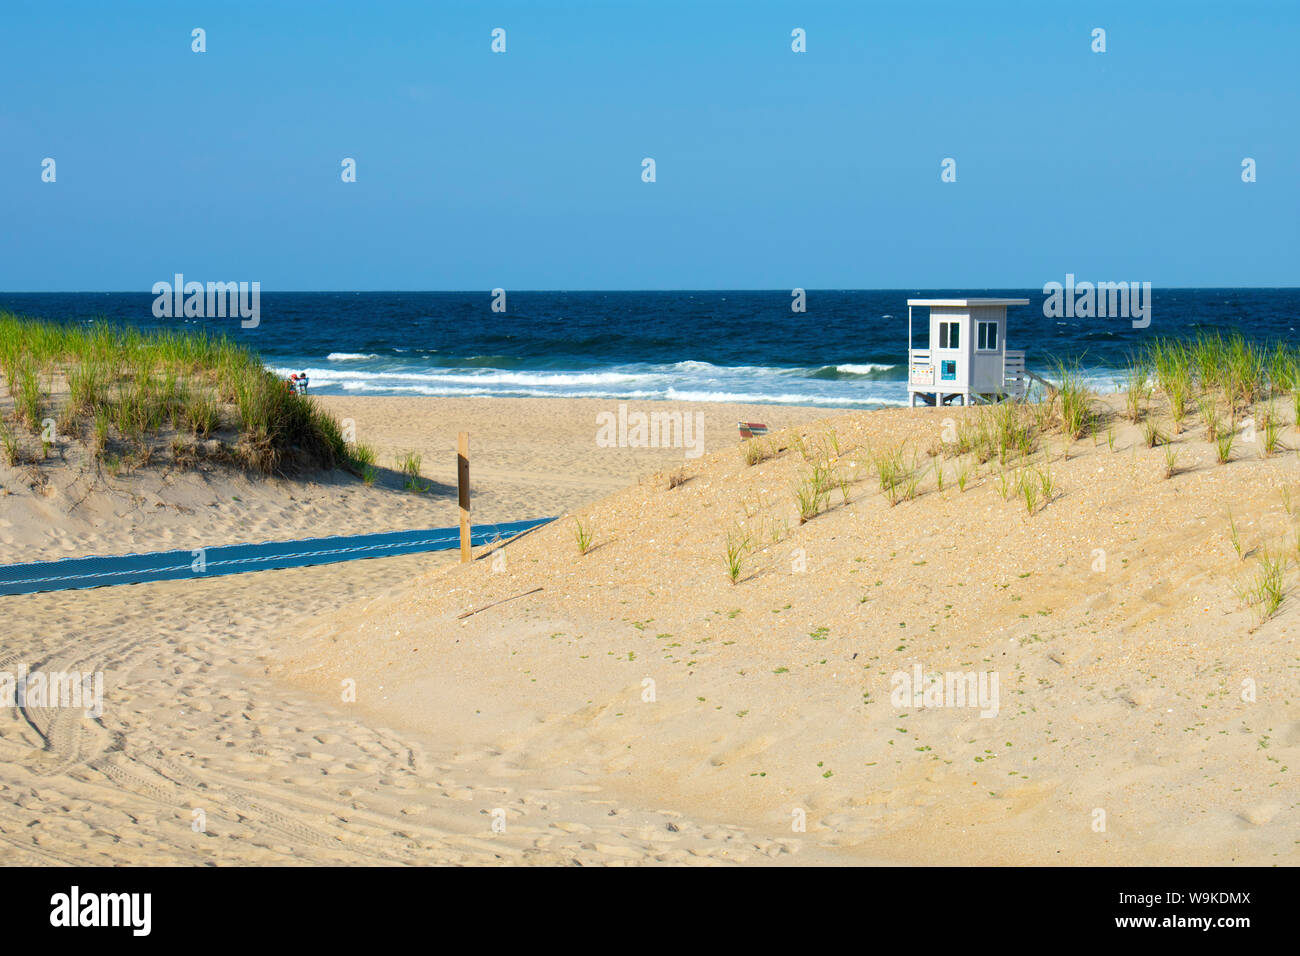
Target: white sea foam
[860,387]
[479,377]
[863,369]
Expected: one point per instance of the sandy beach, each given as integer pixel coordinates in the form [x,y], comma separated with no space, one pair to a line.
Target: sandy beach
[193,718]
[631,704]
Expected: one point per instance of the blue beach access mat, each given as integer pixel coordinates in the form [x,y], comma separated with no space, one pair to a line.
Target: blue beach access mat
[71,573]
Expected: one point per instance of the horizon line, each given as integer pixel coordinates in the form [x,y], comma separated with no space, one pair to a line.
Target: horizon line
[780,290]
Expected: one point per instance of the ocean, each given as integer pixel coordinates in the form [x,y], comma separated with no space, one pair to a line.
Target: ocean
[847,350]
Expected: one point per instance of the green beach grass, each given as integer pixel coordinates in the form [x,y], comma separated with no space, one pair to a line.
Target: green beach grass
[1242,371]
[131,394]
[1226,379]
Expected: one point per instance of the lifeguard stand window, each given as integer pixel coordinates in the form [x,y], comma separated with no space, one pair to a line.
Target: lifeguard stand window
[988,336]
[949,335]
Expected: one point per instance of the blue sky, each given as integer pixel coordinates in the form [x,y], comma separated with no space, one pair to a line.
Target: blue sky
[523,169]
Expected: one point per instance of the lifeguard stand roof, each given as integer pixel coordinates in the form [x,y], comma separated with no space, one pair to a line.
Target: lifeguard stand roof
[962,303]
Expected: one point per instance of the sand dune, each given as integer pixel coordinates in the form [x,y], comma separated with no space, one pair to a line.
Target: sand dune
[1122,735]
[202,756]
[640,708]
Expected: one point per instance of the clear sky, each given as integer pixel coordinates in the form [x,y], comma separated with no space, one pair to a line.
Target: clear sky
[523,170]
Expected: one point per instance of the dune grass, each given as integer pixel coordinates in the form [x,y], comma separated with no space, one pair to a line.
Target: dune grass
[409,464]
[756,451]
[1271,426]
[812,494]
[963,475]
[1242,371]
[997,431]
[583,536]
[1171,461]
[130,393]
[893,474]
[738,545]
[1137,388]
[1267,590]
[1223,446]
[1077,416]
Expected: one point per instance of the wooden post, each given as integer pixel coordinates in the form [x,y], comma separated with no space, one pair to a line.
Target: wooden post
[462,486]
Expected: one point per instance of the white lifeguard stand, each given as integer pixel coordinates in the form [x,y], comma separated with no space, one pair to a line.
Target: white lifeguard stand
[967,357]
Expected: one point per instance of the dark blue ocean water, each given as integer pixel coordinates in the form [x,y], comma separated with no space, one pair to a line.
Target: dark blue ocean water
[848,349]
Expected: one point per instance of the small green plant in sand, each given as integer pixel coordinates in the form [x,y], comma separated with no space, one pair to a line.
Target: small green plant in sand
[9,442]
[963,475]
[1004,485]
[1005,428]
[1028,490]
[891,472]
[756,451]
[1178,390]
[1136,389]
[583,536]
[1171,461]
[1272,427]
[1035,486]
[812,495]
[780,531]
[1043,412]
[1209,409]
[1151,433]
[912,480]
[409,465]
[1266,590]
[363,460]
[1223,445]
[967,437]
[1046,483]
[1076,402]
[737,547]
[806,498]
[362,454]
[1234,536]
